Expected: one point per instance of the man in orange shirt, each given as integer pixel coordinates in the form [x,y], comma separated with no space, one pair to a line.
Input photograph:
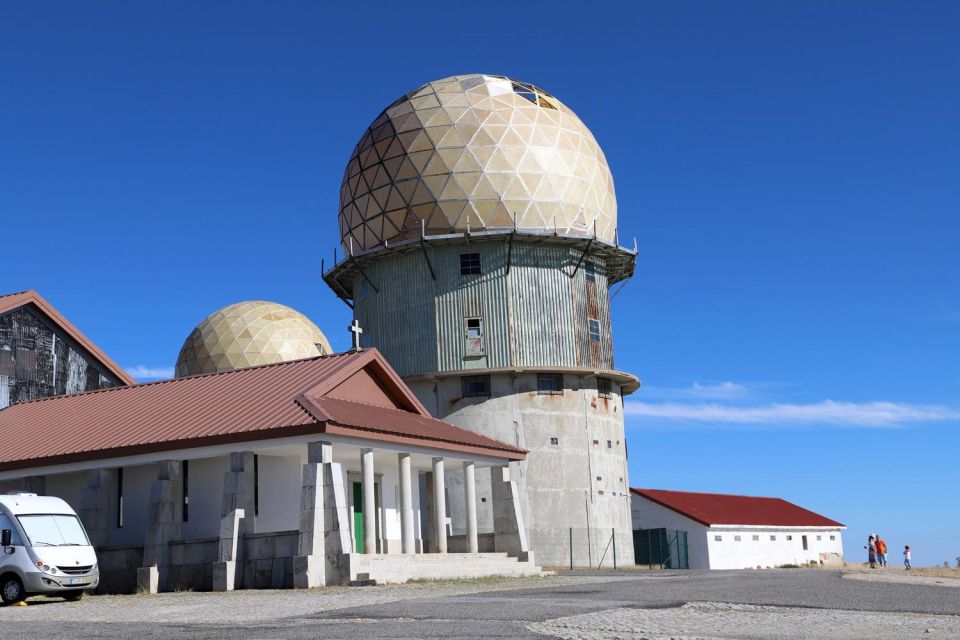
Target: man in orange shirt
[881,552]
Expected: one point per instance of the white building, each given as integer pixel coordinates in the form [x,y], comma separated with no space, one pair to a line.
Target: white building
[325,470]
[739,532]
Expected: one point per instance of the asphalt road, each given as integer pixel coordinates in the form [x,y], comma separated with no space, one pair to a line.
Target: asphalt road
[489,614]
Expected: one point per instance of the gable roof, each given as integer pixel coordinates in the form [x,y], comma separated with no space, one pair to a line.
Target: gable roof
[12,301]
[257,403]
[718,508]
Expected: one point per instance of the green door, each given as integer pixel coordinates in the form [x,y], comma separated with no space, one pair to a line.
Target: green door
[358,516]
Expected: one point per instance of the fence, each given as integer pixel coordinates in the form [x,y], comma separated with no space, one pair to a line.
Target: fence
[664,547]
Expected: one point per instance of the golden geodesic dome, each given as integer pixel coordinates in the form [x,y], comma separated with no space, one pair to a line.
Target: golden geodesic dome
[247,334]
[475,151]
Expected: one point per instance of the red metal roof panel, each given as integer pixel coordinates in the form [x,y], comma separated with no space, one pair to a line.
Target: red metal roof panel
[717,508]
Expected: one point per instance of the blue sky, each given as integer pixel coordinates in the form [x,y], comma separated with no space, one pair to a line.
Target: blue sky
[789,171]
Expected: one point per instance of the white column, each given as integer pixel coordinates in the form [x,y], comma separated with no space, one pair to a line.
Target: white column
[470,503]
[439,506]
[369,502]
[406,505]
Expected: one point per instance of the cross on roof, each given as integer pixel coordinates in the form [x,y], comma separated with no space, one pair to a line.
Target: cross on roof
[356,331]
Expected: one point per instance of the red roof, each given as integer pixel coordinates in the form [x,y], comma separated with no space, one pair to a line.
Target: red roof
[717,508]
[11,301]
[257,403]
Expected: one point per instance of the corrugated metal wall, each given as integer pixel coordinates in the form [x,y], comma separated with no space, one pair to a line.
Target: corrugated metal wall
[537,315]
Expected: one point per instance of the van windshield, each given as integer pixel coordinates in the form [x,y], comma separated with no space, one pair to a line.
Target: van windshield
[54,530]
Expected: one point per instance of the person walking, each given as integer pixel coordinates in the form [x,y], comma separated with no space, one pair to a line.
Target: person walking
[872,552]
[906,557]
[881,551]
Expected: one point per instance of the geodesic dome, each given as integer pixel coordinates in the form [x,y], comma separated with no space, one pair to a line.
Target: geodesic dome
[478,152]
[247,334]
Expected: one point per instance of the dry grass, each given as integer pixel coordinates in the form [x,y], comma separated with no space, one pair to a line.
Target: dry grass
[932,572]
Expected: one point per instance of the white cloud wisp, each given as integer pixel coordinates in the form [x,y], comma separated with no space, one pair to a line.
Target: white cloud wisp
[877,415]
[141,372]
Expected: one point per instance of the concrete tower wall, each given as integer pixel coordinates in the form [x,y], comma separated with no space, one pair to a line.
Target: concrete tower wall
[536,301]
[535,314]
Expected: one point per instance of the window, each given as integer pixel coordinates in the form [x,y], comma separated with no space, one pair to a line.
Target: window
[789,538]
[718,538]
[5,523]
[590,271]
[609,444]
[773,538]
[596,442]
[756,538]
[736,538]
[549,383]
[819,538]
[554,441]
[599,478]
[120,498]
[833,537]
[600,492]
[256,485]
[469,264]
[594,330]
[185,489]
[474,329]
[473,334]
[476,386]
[604,387]
[54,530]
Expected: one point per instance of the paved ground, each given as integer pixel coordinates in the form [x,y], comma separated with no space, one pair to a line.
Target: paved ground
[741,604]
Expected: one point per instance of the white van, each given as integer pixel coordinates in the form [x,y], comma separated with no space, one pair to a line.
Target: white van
[43,549]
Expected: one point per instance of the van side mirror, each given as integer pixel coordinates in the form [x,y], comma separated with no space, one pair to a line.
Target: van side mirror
[6,537]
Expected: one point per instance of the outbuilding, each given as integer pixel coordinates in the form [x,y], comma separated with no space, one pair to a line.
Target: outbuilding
[737,532]
[324,470]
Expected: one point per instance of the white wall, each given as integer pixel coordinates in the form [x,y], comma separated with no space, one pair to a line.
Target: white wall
[774,546]
[280,480]
[205,490]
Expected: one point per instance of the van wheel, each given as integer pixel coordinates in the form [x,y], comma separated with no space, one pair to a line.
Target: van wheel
[11,590]
[73,596]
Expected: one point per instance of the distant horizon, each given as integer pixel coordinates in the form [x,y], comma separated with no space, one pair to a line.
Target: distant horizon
[788,169]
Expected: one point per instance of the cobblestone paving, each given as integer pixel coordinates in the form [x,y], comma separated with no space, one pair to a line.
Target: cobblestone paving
[718,621]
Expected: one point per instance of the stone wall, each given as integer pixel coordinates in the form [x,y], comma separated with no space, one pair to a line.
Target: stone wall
[267,563]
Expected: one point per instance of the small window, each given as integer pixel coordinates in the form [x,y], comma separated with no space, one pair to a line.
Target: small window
[773,538]
[609,444]
[474,329]
[256,485]
[594,330]
[789,538]
[600,492]
[120,498]
[483,499]
[476,386]
[549,383]
[186,489]
[469,264]
[756,538]
[718,538]
[818,538]
[604,387]
[554,441]
[833,537]
[596,442]
[736,538]
[599,478]
[590,271]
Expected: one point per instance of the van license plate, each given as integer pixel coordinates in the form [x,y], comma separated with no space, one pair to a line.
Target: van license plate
[76,581]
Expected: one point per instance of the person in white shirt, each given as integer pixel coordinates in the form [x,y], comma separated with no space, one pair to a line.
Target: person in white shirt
[906,556]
